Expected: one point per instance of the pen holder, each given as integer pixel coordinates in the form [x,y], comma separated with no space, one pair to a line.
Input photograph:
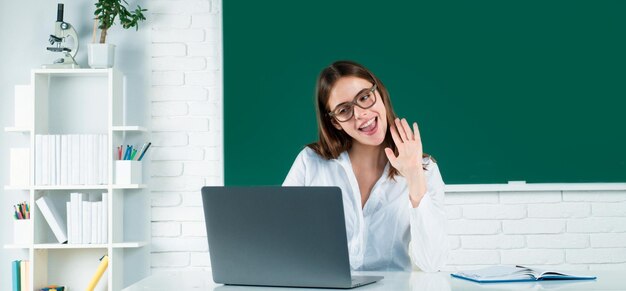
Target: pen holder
[22,232]
[127,172]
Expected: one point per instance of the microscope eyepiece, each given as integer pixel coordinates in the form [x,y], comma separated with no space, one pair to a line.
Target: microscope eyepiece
[60,12]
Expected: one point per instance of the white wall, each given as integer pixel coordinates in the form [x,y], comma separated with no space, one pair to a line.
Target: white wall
[187,127]
[579,230]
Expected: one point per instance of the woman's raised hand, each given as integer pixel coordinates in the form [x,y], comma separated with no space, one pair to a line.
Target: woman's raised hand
[409,144]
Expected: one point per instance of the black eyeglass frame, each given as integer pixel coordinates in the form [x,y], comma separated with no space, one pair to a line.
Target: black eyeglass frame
[372,91]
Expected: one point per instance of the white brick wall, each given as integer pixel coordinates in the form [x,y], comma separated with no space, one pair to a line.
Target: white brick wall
[577,230]
[186,112]
[583,230]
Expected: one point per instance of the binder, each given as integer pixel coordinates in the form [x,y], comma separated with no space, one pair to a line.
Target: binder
[53,217]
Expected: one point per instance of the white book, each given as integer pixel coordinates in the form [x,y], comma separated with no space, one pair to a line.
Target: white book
[20,167]
[75,169]
[53,217]
[83,161]
[69,160]
[95,165]
[99,222]
[92,158]
[38,159]
[73,215]
[45,152]
[105,217]
[77,216]
[68,210]
[57,162]
[86,221]
[96,155]
[103,158]
[52,179]
[94,222]
[88,156]
[64,166]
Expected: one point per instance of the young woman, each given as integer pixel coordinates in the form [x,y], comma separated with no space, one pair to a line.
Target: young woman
[392,192]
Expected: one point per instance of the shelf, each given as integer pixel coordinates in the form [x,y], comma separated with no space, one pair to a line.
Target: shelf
[17,129]
[130,186]
[129,129]
[128,245]
[69,246]
[56,246]
[76,187]
[73,72]
[70,187]
[11,187]
[12,246]
[60,107]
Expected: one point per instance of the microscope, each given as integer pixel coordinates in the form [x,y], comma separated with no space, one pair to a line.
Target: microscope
[62,32]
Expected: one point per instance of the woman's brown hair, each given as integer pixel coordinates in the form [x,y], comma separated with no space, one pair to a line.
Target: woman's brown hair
[332,142]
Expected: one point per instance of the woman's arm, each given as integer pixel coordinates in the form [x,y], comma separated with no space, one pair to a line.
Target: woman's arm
[429,239]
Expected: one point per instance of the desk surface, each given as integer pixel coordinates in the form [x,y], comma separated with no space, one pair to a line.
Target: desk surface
[400,281]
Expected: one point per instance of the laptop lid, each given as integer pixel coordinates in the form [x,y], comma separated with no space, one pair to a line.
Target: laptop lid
[277,236]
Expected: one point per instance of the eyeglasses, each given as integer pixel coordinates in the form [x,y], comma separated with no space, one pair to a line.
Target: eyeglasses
[344,111]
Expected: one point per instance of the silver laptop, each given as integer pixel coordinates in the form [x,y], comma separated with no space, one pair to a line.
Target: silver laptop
[279,236]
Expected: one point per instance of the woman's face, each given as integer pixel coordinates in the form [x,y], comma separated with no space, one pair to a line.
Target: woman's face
[367,126]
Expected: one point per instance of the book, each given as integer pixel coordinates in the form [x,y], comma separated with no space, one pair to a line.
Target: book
[94,222]
[86,221]
[70,231]
[20,167]
[25,275]
[38,159]
[503,274]
[54,219]
[105,217]
[57,159]
[75,207]
[17,280]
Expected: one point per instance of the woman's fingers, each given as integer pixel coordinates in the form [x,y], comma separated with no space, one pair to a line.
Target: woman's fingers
[401,131]
[407,129]
[416,132]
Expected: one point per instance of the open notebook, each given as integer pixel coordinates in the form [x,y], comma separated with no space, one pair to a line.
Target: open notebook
[499,274]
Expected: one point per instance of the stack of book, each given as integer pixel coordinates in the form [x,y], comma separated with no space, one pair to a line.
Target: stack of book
[87,220]
[21,275]
[71,159]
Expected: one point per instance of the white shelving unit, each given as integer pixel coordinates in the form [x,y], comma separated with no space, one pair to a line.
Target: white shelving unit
[86,101]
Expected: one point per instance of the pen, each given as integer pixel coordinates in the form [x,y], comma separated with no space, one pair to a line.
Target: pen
[127,153]
[17,212]
[132,156]
[144,151]
[141,150]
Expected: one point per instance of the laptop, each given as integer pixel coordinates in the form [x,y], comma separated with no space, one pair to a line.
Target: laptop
[279,236]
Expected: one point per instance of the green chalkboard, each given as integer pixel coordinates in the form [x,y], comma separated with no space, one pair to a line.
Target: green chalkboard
[502,90]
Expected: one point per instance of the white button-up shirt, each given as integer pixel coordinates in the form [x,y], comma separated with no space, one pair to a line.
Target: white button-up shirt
[387,233]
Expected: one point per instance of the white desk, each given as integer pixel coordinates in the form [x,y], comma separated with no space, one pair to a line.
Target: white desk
[396,281]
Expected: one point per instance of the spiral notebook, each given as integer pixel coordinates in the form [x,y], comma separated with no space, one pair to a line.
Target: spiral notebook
[503,274]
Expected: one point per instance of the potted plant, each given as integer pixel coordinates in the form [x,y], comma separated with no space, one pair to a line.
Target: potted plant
[101,54]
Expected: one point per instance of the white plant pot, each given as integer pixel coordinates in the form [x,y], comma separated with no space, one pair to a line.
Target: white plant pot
[101,55]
